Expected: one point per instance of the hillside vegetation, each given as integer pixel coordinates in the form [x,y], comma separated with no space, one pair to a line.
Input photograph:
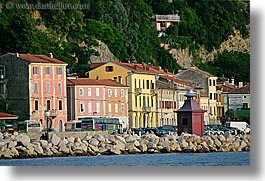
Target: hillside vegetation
[127,27]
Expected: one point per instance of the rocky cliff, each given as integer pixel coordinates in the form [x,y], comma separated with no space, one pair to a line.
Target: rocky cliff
[234,43]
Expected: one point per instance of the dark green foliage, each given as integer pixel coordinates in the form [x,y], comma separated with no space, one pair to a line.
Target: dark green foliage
[234,64]
[126,27]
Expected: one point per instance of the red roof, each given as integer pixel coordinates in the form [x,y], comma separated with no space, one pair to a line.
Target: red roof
[136,67]
[90,81]
[7,116]
[245,89]
[34,58]
[201,71]
[190,105]
[173,78]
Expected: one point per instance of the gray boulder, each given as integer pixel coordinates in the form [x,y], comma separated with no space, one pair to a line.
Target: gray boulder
[54,139]
[23,139]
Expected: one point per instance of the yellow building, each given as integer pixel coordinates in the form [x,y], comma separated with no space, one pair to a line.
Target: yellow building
[142,92]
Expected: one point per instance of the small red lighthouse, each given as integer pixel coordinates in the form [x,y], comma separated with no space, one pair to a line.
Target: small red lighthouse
[191,116]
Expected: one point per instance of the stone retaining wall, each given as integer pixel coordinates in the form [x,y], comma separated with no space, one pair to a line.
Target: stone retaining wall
[21,146]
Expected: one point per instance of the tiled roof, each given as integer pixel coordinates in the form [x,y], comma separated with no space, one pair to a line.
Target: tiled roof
[245,89]
[201,71]
[173,78]
[137,67]
[35,58]
[90,81]
[7,116]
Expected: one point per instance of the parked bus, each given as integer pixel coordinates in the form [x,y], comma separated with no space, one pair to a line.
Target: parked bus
[112,125]
[29,126]
[74,125]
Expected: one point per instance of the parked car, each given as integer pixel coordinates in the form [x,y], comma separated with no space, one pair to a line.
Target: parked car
[138,131]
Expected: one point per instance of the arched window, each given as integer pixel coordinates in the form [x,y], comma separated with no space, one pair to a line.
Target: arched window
[60,126]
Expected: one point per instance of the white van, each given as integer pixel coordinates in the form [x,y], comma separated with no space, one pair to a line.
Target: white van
[243,126]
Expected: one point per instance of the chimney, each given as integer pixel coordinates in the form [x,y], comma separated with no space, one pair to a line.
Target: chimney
[51,55]
[240,84]
[232,80]
[17,54]
[135,66]
[159,68]
[166,70]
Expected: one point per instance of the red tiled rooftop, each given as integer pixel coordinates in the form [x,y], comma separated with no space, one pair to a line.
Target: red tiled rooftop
[7,116]
[173,78]
[35,58]
[90,81]
[201,71]
[136,67]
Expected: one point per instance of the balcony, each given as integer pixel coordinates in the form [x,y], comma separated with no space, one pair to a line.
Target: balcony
[138,91]
[153,91]
[146,109]
[171,17]
[53,113]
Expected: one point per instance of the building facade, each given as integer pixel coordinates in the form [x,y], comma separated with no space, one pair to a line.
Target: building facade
[207,82]
[88,97]
[33,84]
[142,96]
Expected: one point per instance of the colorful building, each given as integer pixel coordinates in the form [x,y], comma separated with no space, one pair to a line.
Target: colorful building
[32,84]
[87,97]
[140,78]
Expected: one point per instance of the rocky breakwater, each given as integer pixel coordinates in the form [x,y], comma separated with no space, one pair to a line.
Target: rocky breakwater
[21,146]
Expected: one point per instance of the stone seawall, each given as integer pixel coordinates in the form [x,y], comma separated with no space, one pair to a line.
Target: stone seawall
[21,146]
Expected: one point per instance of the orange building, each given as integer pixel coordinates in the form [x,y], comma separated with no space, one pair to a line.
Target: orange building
[32,84]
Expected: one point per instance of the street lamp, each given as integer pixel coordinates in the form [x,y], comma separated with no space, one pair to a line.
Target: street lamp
[47,115]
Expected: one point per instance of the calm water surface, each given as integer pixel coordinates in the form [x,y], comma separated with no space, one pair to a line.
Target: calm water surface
[169,159]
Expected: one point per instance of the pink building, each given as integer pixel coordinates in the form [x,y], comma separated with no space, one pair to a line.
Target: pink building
[32,84]
[97,98]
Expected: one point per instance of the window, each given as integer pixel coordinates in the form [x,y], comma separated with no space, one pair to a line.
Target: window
[122,107]
[47,70]
[210,82]
[90,107]
[116,92]
[120,79]
[115,79]
[116,107]
[2,71]
[109,68]
[35,70]
[122,92]
[48,88]
[2,88]
[35,88]
[109,92]
[59,70]
[48,104]
[147,84]
[60,87]
[143,84]
[135,100]
[81,91]
[109,107]
[60,105]
[89,91]
[98,107]
[211,96]
[135,83]
[36,105]
[139,83]
[213,82]
[245,105]
[82,107]
[97,91]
